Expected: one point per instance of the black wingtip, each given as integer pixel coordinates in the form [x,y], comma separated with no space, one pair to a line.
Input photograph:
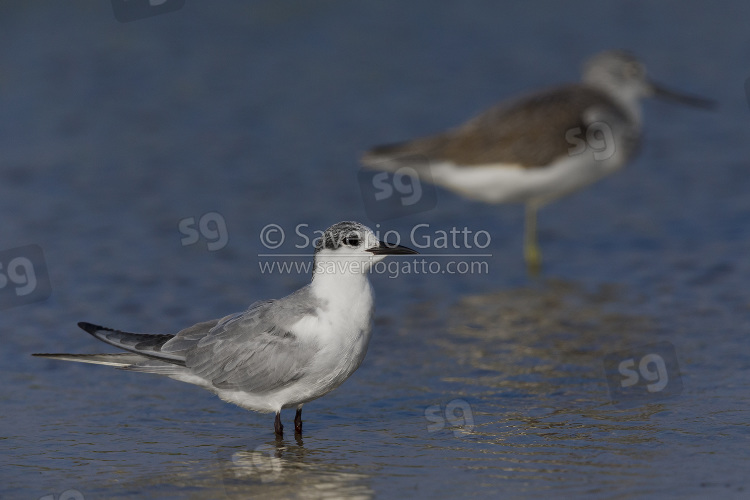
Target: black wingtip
[91,328]
[88,327]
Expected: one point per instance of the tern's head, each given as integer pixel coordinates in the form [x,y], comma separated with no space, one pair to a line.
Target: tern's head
[622,76]
[351,248]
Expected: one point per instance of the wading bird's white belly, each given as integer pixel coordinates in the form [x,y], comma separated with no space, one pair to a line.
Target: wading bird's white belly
[515,184]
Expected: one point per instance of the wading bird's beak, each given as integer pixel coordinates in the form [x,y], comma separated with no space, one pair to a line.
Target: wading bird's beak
[384,248]
[689,100]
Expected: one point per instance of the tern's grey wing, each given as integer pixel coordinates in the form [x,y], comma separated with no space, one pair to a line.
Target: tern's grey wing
[530,131]
[255,351]
[188,338]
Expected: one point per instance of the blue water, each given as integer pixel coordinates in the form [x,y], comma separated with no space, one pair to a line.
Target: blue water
[484,384]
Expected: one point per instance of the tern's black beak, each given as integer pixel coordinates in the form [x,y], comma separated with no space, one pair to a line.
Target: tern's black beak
[384,248]
[678,97]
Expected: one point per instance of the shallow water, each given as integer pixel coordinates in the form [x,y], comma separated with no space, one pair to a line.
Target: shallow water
[486,384]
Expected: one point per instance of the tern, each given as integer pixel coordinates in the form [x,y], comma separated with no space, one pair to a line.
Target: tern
[540,147]
[278,353]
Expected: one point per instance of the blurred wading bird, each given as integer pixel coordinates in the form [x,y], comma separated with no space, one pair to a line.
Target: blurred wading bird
[540,147]
[278,353]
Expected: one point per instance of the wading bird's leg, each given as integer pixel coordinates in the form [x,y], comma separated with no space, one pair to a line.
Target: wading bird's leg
[531,251]
[298,420]
[277,425]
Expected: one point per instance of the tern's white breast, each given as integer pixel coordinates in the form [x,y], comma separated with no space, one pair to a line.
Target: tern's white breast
[338,332]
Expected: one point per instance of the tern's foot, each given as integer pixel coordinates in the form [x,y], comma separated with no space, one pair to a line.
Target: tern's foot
[277,425]
[298,421]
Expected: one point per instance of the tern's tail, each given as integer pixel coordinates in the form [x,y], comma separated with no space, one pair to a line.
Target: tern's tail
[145,351]
[120,360]
[124,361]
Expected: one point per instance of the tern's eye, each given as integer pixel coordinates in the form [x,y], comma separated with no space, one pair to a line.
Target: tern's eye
[352,240]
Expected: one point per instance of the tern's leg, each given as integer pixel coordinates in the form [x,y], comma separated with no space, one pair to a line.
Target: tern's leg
[298,420]
[531,251]
[277,425]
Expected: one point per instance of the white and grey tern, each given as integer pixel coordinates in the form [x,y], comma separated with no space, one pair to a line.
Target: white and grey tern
[278,353]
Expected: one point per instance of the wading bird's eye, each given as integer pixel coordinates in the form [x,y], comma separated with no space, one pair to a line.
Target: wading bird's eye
[634,71]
